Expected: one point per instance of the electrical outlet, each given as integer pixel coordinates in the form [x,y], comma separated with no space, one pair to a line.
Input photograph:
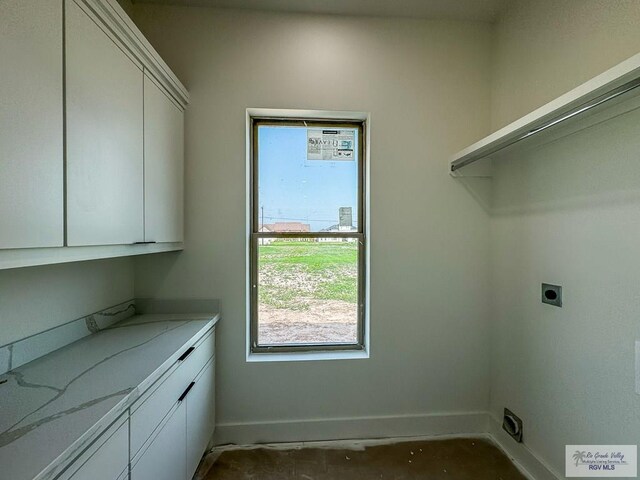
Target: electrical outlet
[512,424]
[552,294]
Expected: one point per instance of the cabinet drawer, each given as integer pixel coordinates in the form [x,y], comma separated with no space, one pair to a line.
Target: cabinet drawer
[156,403]
[106,459]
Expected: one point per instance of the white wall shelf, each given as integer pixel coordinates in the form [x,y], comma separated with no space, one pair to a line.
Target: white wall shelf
[31,257]
[618,82]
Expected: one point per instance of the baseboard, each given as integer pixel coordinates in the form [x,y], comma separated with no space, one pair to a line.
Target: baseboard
[527,462]
[466,423]
[474,424]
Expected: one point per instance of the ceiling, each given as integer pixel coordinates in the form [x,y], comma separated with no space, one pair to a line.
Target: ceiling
[480,10]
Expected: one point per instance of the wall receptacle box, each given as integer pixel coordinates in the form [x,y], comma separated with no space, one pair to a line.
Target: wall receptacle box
[552,294]
[638,367]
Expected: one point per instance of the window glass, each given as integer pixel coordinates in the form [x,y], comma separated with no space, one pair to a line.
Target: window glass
[308,179]
[307,291]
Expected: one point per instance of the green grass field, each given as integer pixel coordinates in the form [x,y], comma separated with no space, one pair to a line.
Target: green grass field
[293,273]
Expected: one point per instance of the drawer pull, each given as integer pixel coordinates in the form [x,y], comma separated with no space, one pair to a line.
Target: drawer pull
[186,392]
[186,354]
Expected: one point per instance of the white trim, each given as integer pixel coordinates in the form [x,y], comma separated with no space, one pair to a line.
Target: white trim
[308,356]
[532,466]
[30,257]
[306,114]
[114,18]
[393,426]
[358,432]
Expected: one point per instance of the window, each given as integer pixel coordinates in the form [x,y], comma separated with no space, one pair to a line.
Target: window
[307,245]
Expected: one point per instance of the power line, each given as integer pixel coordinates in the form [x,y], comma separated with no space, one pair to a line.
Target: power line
[301,219]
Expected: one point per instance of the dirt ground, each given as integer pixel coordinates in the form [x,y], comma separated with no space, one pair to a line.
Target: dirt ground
[325,321]
[452,459]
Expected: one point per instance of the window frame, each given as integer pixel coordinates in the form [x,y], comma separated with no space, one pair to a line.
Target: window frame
[255,234]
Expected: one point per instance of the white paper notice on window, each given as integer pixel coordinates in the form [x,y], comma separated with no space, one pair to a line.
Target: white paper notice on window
[330,144]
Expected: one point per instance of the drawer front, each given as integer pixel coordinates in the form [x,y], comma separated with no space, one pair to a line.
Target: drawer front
[106,459]
[155,404]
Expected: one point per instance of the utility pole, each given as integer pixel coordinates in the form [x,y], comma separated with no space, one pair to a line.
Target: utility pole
[262,217]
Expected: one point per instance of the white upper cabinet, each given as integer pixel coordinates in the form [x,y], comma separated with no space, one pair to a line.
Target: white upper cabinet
[91,136]
[31,135]
[104,96]
[163,165]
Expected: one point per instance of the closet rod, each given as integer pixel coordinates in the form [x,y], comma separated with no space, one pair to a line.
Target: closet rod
[599,100]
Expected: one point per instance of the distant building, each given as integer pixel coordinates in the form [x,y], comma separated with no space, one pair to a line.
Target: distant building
[345,214]
[288,227]
[345,225]
[282,227]
[265,241]
[341,229]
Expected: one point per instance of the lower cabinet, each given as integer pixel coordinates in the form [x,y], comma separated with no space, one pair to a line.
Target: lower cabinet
[165,433]
[171,447]
[175,449]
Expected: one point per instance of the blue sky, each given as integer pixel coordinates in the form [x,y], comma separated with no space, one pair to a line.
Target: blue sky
[292,188]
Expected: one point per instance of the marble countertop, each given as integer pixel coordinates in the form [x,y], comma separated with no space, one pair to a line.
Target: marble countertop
[52,408]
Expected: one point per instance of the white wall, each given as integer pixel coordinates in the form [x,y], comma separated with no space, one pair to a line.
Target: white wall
[426,84]
[39,298]
[566,212]
[544,48]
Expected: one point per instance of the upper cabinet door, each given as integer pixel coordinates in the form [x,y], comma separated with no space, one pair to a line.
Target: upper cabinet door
[104,97]
[31,148]
[163,165]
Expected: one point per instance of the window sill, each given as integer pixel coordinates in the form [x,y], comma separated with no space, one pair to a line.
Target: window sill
[307,356]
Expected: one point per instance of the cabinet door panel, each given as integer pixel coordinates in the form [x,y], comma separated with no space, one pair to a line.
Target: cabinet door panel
[104,137]
[201,411]
[106,461]
[31,149]
[165,457]
[163,165]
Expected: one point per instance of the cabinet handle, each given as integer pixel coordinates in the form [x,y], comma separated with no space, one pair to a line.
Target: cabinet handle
[144,243]
[186,353]
[184,394]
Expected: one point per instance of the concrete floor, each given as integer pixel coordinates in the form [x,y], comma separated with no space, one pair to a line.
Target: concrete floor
[458,459]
